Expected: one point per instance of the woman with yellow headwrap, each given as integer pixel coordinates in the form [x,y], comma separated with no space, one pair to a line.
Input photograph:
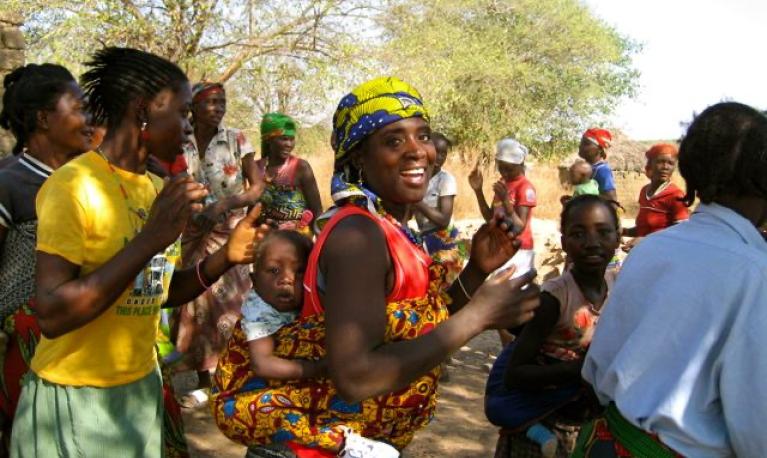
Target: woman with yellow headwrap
[373,309]
[290,198]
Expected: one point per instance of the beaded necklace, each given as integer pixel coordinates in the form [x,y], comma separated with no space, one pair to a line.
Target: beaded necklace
[132,209]
[415,237]
[280,172]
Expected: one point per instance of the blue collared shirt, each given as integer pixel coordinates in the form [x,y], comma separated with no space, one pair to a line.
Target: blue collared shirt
[681,346]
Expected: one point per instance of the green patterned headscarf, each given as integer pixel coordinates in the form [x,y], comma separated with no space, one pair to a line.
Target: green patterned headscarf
[275,125]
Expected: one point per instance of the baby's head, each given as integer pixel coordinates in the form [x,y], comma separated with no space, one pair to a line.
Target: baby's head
[278,269]
[579,172]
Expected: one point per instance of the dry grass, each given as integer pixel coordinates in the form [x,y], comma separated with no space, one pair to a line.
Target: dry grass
[545,177]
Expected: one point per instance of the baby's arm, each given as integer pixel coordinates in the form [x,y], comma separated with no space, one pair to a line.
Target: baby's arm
[266,365]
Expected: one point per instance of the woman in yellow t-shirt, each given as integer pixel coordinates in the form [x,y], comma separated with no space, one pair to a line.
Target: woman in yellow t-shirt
[107,252]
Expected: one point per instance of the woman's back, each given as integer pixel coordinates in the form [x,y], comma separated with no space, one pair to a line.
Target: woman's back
[670,349]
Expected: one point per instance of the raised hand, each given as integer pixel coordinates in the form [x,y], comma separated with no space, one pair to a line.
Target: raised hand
[475,178]
[244,239]
[170,211]
[501,303]
[493,244]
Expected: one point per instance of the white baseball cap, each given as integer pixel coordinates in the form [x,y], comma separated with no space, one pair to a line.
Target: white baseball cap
[511,151]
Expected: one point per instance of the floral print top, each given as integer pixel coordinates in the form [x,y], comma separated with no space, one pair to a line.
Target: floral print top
[221,168]
[578,318]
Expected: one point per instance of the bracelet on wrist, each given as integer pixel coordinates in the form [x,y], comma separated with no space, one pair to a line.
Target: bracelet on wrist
[200,279]
[463,289]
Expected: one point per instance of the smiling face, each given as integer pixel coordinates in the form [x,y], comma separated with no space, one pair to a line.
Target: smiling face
[396,158]
[168,122]
[209,111]
[590,237]
[66,124]
[662,167]
[279,275]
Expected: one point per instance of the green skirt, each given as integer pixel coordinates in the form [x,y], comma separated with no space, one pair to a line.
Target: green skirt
[58,420]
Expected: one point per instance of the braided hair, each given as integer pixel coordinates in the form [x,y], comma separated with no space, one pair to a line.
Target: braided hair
[119,76]
[586,200]
[725,151]
[29,90]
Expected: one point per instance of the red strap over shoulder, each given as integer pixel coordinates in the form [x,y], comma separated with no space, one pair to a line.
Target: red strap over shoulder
[411,264]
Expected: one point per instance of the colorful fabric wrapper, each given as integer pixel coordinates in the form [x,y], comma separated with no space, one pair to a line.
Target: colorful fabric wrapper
[613,436]
[205,89]
[600,137]
[368,108]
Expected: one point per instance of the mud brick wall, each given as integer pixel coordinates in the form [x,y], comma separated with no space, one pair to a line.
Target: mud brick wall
[11,56]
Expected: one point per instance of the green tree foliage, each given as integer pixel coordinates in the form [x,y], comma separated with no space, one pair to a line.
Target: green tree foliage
[275,53]
[539,70]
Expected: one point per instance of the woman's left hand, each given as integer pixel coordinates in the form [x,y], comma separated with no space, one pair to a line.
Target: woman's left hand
[493,244]
[245,237]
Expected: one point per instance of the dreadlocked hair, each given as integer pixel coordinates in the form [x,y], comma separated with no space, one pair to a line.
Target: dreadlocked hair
[118,76]
[725,152]
[29,90]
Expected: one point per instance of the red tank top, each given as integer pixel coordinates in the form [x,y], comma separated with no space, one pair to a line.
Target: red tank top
[410,263]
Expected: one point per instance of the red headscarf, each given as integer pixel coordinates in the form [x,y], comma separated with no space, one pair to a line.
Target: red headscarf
[657,150]
[205,89]
[600,137]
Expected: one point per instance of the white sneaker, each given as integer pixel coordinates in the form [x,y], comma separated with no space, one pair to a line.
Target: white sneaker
[356,446]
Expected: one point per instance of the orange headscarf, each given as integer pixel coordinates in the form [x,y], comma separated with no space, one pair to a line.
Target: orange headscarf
[657,150]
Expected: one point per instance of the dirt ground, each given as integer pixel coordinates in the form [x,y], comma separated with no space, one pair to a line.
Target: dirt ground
[459,428]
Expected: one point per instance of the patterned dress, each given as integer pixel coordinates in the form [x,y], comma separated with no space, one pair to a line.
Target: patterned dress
[211,316]
[307,414]
[20,181]
[283,200]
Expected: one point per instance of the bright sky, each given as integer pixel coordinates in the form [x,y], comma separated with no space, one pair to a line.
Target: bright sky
[696,53]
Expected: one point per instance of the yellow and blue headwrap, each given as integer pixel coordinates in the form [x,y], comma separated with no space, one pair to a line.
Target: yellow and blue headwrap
[369,107]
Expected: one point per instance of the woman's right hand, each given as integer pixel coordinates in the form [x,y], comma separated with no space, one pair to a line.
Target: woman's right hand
[475,178]
[501,303]
[178,200]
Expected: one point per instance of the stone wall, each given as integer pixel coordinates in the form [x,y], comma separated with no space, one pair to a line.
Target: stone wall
[11,56]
